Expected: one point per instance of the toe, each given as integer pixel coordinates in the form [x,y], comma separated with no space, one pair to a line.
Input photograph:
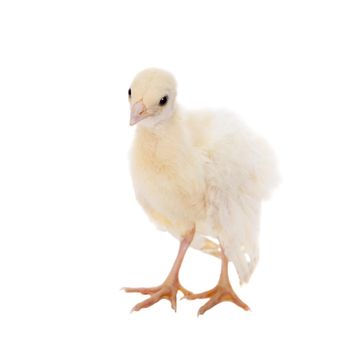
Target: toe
[141,290]
[236,300]
[185,292]
[207,306]
[202,295]
[173,301]
[146,303]
[242,305]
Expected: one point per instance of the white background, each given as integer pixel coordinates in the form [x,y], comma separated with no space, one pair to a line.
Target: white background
[71,232]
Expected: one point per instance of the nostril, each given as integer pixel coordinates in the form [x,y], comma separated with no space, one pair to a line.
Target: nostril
[139,108]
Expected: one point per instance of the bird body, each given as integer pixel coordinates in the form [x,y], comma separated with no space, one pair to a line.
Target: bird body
[199,170]
[168,177]
[205,168]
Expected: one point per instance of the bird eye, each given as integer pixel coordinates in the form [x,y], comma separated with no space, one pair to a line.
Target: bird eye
[129,92]
[163,101]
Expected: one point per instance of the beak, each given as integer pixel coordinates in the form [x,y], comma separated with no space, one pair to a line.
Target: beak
[137,112]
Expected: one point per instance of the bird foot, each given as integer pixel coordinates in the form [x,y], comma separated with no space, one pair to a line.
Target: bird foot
[168,290]
[219,294]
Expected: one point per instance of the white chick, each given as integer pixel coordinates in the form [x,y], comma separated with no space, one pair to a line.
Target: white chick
[200,175]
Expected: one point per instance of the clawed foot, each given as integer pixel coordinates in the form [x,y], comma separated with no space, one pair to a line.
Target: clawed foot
[168,290]
[217,295]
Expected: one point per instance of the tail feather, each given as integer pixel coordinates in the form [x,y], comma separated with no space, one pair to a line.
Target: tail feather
[206,245]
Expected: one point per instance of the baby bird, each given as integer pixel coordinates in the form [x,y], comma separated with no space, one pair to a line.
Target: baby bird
[200,175]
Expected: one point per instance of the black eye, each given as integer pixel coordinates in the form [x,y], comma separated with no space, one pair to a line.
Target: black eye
[163,101]
[129,92]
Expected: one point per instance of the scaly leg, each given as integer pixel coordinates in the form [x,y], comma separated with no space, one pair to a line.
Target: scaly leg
[169,288]
[222,292]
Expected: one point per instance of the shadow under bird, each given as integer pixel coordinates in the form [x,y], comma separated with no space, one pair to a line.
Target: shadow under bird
[200,175]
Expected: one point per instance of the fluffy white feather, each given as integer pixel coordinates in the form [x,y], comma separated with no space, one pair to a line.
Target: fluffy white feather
[203,168]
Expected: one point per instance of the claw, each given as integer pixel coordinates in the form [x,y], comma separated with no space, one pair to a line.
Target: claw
[218,295]
[141,290]
[146,303]
[222,292]
[173,301]
[208,305]
[168,290]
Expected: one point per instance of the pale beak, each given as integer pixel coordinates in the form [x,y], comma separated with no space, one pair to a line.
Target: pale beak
[137,112]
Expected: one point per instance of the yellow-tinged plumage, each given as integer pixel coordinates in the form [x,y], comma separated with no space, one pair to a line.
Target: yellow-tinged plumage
[201,174]
[167,178]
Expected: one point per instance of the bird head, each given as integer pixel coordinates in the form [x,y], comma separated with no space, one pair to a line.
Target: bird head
[152,97]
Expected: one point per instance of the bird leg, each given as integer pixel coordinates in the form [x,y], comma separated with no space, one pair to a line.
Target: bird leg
[169,288]
[222,292]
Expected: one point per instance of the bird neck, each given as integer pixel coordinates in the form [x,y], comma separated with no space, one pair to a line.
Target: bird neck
[164,129]
[165,138]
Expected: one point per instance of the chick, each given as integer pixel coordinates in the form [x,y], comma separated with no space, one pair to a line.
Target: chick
[200,175]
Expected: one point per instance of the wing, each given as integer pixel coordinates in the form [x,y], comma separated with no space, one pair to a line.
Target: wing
[234,217]
[241,172]
[239,234]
